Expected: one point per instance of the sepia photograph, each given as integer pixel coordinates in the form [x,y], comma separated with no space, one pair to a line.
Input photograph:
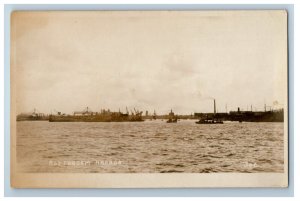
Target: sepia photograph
[149,99]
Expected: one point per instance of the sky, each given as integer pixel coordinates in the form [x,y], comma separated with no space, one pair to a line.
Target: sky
[148,60]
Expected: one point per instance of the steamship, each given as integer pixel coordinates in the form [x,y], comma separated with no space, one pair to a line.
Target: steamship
[103,116]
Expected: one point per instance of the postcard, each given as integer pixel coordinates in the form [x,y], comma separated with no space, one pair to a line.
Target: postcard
[149,99]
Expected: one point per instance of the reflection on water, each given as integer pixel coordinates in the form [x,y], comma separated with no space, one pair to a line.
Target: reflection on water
[149,147]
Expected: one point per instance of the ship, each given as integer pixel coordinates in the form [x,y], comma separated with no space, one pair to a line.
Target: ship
[172,117]
[154,115]
[210,118]
[102,116]
[242,116]
[34,116]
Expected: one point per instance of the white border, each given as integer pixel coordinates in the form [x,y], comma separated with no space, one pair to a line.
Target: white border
[296,70]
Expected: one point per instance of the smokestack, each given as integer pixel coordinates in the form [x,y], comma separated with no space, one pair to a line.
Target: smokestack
[214,106]
[265,107]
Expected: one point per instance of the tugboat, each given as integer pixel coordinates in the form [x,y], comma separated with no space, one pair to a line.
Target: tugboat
[209,120]
[212,119]
[172,117]
[154,115]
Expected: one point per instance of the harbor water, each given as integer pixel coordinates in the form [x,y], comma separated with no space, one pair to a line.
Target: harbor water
[149,147]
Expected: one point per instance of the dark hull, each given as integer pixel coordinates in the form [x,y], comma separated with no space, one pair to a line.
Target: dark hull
[209,122]
[247,116]
[93,119]
[32,119]
[172,121]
